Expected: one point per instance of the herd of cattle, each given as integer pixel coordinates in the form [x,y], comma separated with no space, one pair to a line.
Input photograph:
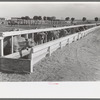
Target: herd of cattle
[44,37]
[21,42]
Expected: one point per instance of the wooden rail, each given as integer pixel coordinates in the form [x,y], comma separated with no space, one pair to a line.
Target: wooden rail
[13,33]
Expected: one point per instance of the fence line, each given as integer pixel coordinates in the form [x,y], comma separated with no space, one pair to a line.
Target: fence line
[39,52]
[25,52]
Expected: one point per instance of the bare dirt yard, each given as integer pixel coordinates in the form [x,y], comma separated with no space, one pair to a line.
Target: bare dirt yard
[79,61]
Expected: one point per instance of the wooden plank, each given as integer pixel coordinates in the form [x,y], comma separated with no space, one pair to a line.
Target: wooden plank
[15,65]
[1,48]
[5,34]
[60,44]
[12,46]
[31,57]
[17,54]
[49,51]
[26,36]
[32,36]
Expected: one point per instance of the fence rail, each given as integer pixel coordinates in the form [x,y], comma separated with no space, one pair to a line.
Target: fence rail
[13,33]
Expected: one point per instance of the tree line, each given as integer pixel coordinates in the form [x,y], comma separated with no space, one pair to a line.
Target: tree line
[39,18]
[54,18]
[83,19]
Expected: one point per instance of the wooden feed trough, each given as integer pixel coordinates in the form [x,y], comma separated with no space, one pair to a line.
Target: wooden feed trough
[12,61]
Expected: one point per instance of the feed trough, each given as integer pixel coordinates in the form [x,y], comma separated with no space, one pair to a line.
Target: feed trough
[15,62]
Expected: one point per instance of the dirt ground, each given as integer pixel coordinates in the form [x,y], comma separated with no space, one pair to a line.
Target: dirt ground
[79,61]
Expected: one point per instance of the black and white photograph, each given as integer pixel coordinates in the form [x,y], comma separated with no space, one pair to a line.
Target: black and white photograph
[41,41]
[49,49]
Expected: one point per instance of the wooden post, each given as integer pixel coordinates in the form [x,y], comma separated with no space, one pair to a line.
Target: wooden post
[26,36]
[84,34]
[1,48]
[81,35]
[60,45]
[73,38]
[31,57]
[12,46]
[32,36]
[68,41]
[49,51]
[78,36]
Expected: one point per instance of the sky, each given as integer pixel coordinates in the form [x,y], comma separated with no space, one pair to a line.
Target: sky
[61,10]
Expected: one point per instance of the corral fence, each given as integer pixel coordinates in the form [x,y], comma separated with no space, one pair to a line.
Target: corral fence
[12,62]
[41,51]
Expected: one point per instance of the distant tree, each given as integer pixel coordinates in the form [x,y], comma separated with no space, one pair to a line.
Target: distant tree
[49,18]
[39,17]
[72,20]
[84,19]
[67,18]
[44,18]
[22,17]
[35,17]
[27,17]
[53,18]
[96,20]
